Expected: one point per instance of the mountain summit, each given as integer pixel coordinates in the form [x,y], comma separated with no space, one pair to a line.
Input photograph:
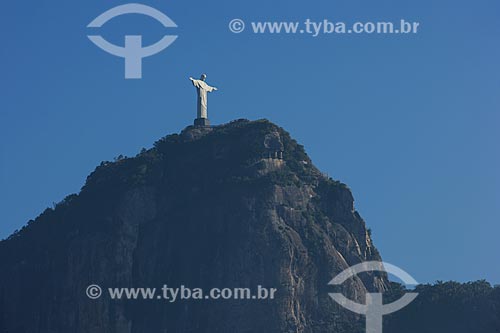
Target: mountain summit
[234,206]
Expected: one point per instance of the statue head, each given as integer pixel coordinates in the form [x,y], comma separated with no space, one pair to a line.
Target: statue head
[203,77]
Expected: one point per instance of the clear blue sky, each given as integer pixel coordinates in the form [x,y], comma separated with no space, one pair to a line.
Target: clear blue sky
[410,123]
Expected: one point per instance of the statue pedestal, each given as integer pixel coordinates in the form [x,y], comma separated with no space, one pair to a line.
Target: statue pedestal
[201,122]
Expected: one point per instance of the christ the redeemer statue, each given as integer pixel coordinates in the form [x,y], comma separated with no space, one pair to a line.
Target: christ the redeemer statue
[202,88]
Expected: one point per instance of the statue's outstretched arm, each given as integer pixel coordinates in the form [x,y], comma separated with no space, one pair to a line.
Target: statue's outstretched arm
[194,82]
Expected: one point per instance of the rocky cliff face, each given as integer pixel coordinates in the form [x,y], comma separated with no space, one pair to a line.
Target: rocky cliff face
[233,206]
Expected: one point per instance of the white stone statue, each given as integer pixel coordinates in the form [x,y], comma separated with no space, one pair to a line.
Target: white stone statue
[202,89]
